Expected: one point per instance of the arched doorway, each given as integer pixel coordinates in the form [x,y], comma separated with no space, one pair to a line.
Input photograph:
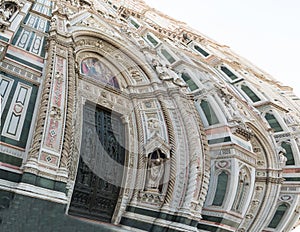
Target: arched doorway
[100,167]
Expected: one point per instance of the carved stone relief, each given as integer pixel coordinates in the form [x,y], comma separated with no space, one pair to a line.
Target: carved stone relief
[7,9]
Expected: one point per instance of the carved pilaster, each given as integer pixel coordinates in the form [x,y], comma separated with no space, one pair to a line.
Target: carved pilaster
[39,127]
[68,143]
[141,161]
[172,142]
[52,139]
[194,154]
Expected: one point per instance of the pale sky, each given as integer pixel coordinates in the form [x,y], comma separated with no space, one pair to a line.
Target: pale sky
[266,32]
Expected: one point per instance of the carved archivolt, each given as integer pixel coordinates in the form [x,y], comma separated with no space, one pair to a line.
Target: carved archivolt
[120,63]
[164,149]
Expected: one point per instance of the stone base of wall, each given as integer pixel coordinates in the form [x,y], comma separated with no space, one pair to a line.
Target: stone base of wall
[20,213]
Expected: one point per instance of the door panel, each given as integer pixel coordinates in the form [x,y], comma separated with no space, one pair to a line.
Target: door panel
[100,169]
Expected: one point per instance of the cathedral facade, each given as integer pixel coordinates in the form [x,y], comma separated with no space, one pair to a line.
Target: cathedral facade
[116,117]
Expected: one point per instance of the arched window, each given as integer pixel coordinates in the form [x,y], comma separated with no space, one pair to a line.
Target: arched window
[168,56]
[229,73]
[277,218]
[221,189]
[242,191]
[201,51]
[210,114]
[289,153]
[153,41]
[250,93]
[93,68]
[134,23]
[189,81]
[274,124]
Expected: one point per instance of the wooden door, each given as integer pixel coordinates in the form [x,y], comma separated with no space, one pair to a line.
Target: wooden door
[100,169]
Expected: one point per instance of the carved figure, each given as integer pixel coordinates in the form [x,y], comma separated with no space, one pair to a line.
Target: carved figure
[96,70]
[155,171]
[160,69]
[153,126]
[281,153]
[7,9]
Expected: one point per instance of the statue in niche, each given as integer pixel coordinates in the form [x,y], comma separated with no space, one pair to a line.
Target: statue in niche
[229,101]
[155,171]
[7,10]
[281,154]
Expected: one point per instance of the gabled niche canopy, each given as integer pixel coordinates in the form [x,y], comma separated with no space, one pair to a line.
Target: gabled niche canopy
[95,69]
[156,142]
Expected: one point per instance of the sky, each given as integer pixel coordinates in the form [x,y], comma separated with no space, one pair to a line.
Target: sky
[265,32]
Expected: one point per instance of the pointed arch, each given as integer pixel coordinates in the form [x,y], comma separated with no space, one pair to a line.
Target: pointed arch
[273,122]
[108,47]
[243,190]
[288,153]
[278,216]
[221,189]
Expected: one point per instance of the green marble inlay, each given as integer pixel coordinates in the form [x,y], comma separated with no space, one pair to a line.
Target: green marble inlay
[4,38]
[10,176]
[165,216]
[24,62]
[10,159]
[29,114]
[43,182]
[220,220]
[204,227]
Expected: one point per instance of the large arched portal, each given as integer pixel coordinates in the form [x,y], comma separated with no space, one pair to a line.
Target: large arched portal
[100,168]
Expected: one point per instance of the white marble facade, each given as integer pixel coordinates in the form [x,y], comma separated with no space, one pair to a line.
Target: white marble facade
[208,138]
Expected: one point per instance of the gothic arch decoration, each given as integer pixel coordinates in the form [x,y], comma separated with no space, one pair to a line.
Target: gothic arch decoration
[279,215]
[126,58]
[262,146]
[288,152]
[135,77]
[265,181]
[93,47]
[156,142]
[98,71]
[223,178]
[219,184]
[243,190]
[157,170]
